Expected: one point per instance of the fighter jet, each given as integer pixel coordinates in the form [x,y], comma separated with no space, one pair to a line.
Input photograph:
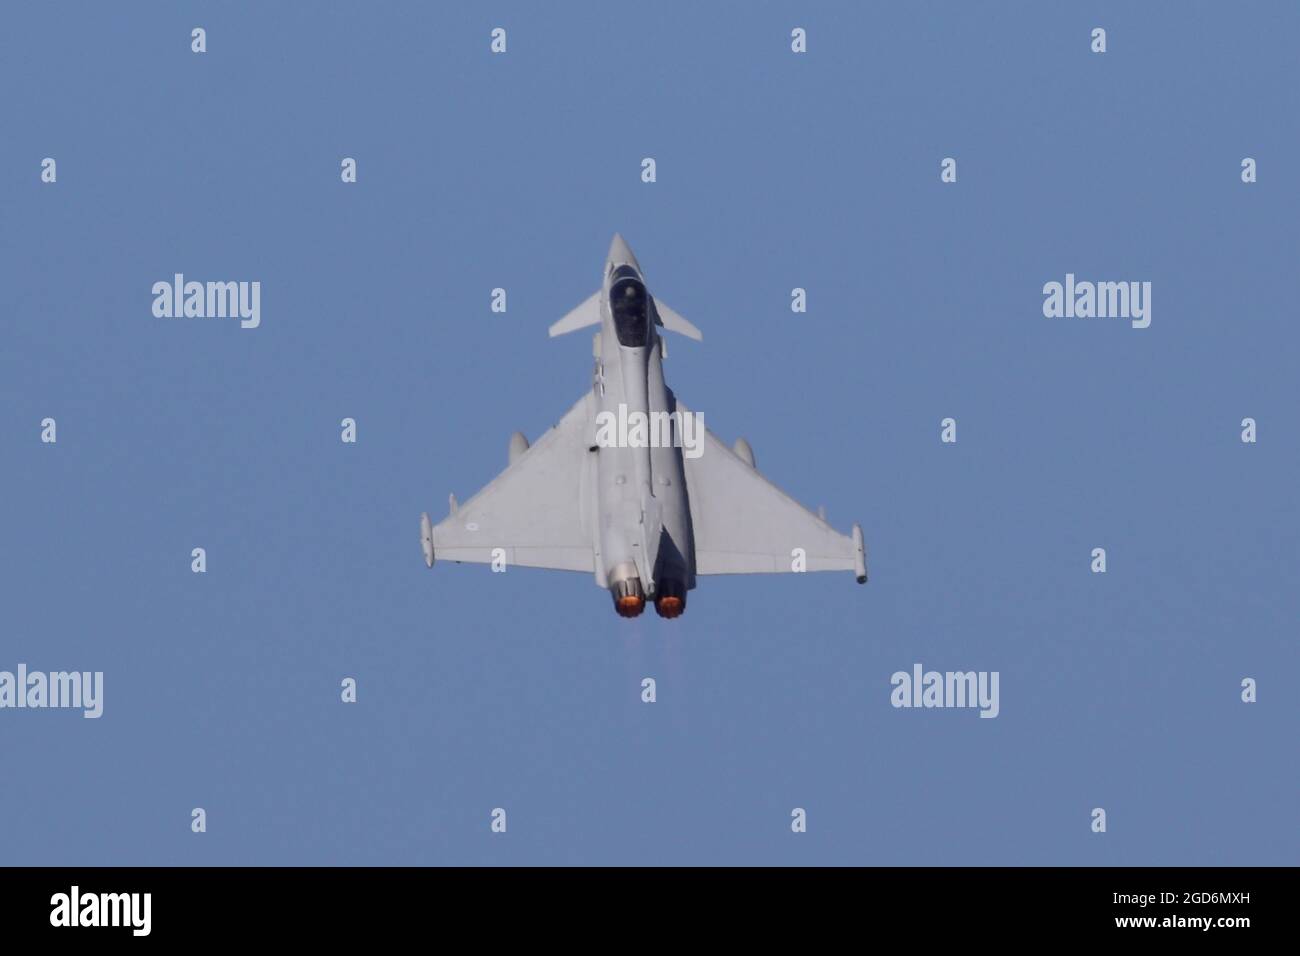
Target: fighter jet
[645,510]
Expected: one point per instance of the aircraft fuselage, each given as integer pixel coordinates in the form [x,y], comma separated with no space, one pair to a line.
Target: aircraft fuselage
[643,545]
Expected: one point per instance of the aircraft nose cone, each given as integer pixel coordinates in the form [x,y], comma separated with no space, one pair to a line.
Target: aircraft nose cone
[621,254]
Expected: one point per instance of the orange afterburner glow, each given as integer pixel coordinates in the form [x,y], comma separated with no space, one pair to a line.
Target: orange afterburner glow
[630,605]
[670,606]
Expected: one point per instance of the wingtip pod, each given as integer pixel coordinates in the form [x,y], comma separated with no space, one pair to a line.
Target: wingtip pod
[426,538]
[859,555]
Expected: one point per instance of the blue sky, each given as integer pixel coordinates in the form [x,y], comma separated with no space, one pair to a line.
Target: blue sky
[775,170]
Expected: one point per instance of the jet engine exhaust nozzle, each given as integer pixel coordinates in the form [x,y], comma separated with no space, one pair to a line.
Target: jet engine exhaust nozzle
[629,599]
[670,599]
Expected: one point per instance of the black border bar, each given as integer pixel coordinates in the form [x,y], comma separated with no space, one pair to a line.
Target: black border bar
[217,904]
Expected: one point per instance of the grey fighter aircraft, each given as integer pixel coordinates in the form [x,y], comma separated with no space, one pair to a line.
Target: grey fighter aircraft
[626,489]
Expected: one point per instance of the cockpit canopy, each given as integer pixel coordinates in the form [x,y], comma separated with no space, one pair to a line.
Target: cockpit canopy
[630,306]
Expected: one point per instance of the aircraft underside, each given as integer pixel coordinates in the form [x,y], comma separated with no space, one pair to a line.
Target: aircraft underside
[629,486]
